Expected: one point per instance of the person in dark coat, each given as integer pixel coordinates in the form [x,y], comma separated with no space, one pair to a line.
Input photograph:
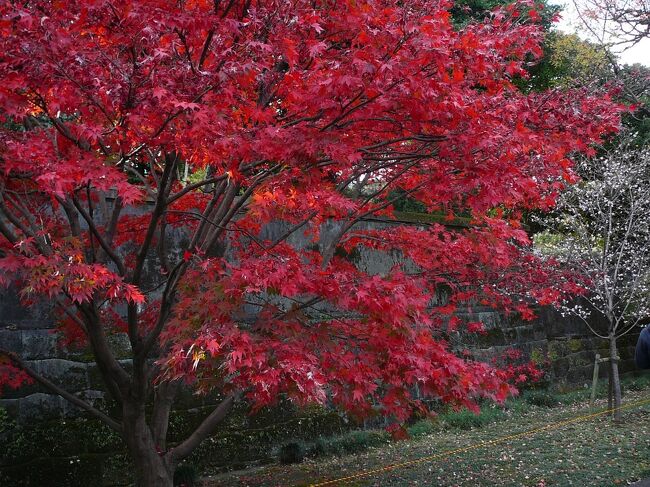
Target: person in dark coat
[642,351]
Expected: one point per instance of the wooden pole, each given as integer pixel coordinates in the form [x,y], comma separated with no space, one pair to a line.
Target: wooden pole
[594,382]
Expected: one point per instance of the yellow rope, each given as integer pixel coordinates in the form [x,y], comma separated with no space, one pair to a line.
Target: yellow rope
[475,446]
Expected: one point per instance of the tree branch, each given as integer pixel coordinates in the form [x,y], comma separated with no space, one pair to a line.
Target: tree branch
[62,392]
[205,50]
[102,242]
[205,429]
[191,187]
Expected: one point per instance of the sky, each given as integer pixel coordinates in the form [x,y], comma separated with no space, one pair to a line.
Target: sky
[640,53]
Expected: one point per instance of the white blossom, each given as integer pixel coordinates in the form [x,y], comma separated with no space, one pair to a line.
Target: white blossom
[601,228]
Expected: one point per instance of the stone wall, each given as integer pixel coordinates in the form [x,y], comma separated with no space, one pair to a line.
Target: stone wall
[564,341]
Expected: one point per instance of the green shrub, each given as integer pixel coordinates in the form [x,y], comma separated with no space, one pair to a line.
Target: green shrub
[5,422]
[317,448]
[292,452]
[465,419]
[356,441]
[422,428]
[633,385]
[73,471]
[544,399]
[517,405]
[185,476]
[351,442]
[637,383]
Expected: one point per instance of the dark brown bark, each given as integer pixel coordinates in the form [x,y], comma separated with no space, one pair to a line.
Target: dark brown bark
[112,371]
[164,188]
[163,401]
[152,468]
[205,429]
[100,238]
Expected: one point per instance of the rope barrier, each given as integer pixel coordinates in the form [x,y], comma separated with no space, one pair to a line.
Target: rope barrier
[475,446]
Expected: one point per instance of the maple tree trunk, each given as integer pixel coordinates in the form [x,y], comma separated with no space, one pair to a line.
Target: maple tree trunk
[614,377]
[151,468]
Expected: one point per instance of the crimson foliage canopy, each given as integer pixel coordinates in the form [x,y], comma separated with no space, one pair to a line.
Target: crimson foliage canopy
[125,121]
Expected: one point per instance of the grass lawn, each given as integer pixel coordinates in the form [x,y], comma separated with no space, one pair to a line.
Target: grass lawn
[593,452]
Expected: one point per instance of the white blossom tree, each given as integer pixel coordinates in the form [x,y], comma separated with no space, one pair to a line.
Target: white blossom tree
[601,230]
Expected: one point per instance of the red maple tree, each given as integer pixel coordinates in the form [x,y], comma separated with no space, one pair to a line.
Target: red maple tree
[126,122]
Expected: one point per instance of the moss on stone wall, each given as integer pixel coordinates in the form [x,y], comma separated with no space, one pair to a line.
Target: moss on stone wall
[575,345]
[538,356]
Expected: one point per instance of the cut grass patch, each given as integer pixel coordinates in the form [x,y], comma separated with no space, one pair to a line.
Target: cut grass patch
[593,452]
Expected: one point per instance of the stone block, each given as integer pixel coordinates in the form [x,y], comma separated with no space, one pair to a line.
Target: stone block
[490,319]
[580,359]
[41,406]
[15,315]
[579,374]
[525,334]
[95,380]
[40,344]
[11,339]
[73,376]
[120,345]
